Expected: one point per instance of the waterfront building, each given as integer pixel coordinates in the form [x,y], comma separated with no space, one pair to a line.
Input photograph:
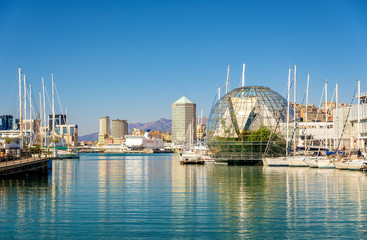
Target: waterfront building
[137,132]
[240,124]
[60,119]
[183,118]
[119,128]
[167,137]
[137,142]
[157,134]
[104,129]
[69,132]
[6,122]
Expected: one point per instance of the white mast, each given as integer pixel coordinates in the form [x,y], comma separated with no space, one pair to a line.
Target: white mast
[44,108]
[53,106]
[295,105]
[201,124]
[288,96]
[326,120]
[243,74]
[227,83]
[218,93]
[358,110]
[20,108]
[25,108]
[336,115]
[308,82]
[30,113]
[40,121]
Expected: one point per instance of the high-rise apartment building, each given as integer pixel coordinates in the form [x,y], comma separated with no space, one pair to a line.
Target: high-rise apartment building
[183,120]
[119,128]
[104,129]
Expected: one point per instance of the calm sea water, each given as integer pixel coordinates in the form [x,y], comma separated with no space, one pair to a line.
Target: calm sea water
[153,196]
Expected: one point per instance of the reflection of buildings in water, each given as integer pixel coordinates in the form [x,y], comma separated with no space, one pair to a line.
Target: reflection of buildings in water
[189,190]
[21,198]
[317,196]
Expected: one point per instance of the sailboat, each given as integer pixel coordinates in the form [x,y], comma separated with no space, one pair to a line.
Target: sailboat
[352,162]
[298,161]
[280,161]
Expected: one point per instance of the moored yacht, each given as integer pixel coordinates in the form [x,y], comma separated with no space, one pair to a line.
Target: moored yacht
[297,161]
[325,162]
[275,162]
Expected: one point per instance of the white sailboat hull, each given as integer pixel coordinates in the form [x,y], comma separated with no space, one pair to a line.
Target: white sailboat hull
[325,163]
[296,162]
[311,162]
[275,162]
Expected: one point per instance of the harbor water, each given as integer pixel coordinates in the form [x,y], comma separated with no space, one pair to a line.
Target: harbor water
[152,196]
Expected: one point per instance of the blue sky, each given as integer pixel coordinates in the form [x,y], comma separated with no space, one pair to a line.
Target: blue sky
[132,59]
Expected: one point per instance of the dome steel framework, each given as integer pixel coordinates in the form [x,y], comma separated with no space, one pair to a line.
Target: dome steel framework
[241,122]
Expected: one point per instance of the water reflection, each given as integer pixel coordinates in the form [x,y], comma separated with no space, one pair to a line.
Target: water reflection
[153,196]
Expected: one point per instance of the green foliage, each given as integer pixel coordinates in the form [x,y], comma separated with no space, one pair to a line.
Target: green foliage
[250,142]
[8,140]
[55,139]
[36,149]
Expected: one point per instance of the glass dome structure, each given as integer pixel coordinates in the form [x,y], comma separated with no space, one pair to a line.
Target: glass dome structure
[244,115]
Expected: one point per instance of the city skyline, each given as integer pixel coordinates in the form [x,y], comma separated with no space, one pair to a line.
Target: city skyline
[132,60]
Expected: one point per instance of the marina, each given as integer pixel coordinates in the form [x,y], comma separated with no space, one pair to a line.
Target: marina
[183,120]
[154,196]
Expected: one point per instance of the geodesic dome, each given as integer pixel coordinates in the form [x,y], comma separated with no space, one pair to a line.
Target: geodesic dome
[246,109]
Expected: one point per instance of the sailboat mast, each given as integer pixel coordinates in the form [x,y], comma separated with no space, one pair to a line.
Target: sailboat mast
[227,83]
[30,113]
[358,110]
[243,74]
[20,108]
[326,120]
[218,93]
[288,96]
[25,107]
[44,108]
[41,122]
[337,114]
[295,104]
[53,106]
[308,82]
[67,129]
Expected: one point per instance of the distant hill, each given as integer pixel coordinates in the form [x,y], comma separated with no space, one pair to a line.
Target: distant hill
[164,125]
[90,137]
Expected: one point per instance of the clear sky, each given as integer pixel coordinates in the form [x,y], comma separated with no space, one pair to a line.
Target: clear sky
[132,59]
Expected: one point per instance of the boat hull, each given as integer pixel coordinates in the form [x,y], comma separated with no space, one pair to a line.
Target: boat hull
[325,163]
[312,163]
[275,162]
[296,162]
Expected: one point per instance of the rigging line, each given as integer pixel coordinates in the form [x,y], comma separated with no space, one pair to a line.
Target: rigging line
[48,98]
[346,119]
[58,98]
[270,140]
[322,96]
[297,118]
